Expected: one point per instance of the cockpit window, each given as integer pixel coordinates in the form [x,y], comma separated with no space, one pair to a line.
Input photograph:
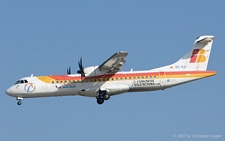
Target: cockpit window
[17,82]
[21,81]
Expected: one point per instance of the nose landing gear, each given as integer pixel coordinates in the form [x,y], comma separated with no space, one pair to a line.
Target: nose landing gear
[19,100]
[102,97]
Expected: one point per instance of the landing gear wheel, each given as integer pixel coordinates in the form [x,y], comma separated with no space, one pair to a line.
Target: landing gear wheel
[19,100]
[106,96]
[19,103]
[100,100]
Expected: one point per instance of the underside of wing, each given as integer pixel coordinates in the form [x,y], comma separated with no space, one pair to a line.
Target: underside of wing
[114,63]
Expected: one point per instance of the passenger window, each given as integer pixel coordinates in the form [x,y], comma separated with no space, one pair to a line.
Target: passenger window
[143,77]
[154,76]
[112,79]
[121,78]
[52,82]
[134,77]
[146,76]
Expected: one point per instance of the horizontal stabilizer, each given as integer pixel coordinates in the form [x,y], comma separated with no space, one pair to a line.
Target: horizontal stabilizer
[204,39]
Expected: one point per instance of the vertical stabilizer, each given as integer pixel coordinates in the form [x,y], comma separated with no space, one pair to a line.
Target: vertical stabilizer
[196,59]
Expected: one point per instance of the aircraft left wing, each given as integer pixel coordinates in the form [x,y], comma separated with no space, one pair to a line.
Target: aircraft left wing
[114,63]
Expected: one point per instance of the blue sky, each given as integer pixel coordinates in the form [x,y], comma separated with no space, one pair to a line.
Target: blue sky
[45,37]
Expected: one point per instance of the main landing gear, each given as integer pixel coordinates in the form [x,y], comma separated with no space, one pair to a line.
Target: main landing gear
[19,100]
[102,97]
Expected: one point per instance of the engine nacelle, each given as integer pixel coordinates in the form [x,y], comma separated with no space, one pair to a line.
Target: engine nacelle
[93,70]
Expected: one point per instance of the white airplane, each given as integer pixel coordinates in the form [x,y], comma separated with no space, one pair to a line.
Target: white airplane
[105,80]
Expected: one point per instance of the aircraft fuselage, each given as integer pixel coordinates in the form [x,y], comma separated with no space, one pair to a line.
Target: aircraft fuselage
[67,85]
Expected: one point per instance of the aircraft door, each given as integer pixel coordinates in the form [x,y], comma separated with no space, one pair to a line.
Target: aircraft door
[43,86]
[162,76]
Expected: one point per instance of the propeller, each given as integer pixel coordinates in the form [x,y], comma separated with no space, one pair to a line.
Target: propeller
[69,70]
[81,71]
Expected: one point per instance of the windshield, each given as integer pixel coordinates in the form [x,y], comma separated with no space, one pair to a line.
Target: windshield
[17,82]
[21,82]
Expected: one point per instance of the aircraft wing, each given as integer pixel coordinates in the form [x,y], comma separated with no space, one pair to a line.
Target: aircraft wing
[114,63]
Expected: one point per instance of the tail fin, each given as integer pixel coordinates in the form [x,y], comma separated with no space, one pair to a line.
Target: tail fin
[196,59]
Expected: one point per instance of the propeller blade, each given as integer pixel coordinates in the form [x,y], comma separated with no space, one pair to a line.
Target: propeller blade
[69,70]
[80,65]
[81,71]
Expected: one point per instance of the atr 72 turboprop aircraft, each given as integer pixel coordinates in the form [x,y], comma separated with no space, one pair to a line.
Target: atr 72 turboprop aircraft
[105,80]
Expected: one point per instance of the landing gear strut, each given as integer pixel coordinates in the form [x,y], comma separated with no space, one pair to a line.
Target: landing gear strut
[102,96]
[19,100]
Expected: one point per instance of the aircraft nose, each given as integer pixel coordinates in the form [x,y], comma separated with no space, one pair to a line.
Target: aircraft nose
[8,91]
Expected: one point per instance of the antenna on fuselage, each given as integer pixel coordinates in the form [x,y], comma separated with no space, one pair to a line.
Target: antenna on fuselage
[31,75]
